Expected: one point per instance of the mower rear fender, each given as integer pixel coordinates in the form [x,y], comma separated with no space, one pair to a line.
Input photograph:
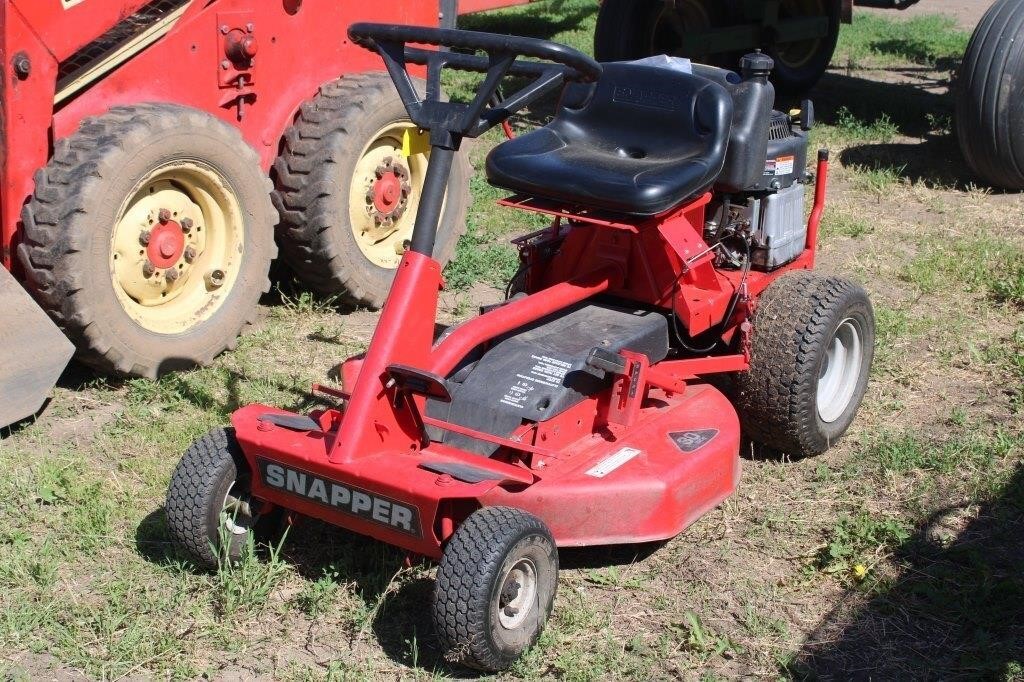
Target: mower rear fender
[35,353]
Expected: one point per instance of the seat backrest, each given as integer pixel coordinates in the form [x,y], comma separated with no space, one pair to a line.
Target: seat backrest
[646,112]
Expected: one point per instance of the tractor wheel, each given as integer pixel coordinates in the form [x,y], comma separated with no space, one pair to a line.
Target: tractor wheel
[813,341]
[799,64]
[149,237]
[989,91]
[208,502]
[496,585]
[632,29]
[348,184]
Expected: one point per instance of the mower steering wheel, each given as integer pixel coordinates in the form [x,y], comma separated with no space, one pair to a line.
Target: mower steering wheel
[449,121]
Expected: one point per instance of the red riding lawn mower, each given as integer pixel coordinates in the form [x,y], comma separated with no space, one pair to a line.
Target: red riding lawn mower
[580,411]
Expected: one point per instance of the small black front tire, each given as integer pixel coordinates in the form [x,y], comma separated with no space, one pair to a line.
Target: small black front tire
[496,585]
[208,500]
[806,328]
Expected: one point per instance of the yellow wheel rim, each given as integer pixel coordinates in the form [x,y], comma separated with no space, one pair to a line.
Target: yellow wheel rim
[385,191]
[799,53]
[177,247]
[673,21]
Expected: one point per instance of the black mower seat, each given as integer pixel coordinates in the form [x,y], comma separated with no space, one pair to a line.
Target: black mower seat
[641,140]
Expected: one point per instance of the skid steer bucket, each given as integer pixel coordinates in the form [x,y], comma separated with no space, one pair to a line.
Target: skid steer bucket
[34,353]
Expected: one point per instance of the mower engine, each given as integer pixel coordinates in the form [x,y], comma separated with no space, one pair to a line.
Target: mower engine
[758,215]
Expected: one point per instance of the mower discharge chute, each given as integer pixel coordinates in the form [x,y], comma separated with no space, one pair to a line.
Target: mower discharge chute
[576,412]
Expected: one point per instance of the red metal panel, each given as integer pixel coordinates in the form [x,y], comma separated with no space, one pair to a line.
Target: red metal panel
[652,495]
[26,106]
[64,30]
[468,6]
[297,53]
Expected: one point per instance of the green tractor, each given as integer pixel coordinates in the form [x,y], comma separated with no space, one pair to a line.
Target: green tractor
[800,35]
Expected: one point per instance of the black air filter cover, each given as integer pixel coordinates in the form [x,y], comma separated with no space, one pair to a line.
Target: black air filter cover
[786,158]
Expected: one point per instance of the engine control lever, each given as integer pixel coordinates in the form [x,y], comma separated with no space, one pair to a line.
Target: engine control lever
[600,358]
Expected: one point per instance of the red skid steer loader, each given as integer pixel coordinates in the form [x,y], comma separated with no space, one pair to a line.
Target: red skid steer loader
[148,148]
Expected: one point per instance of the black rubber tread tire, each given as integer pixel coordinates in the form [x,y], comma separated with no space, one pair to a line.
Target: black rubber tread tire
[70,217]
[989,90]
[795,319]
[795,81]
[622,28]
[196,493]
[620,34]
[323,144]
[467,577]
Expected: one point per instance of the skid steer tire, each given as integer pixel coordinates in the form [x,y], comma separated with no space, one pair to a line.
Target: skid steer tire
[86,258]
[989,90]
[320,193]
[812,346]
[207,502]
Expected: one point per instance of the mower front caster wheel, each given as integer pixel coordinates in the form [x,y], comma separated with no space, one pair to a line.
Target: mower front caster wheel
[812,346]
[210,513]
[495,587]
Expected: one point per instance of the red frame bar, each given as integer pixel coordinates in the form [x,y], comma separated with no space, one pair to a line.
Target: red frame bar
[814,221]
[517,313]
[487,437]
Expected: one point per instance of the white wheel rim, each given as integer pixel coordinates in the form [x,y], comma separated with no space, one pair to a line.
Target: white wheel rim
[172,273]
[236,512]
[839,372]
[518,594]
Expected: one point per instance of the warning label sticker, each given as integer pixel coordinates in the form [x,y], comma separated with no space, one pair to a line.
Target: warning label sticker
[782,165]
[612,462]
[546,371]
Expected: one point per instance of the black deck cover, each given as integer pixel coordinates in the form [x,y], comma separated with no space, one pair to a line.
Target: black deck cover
[541,371]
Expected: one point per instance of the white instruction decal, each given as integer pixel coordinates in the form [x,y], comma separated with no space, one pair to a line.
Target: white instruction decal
[546,371]
[612,462]
[784,165]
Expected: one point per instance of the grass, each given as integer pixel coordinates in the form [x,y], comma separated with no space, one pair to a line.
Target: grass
[930,40]
[894,553]
[983,263]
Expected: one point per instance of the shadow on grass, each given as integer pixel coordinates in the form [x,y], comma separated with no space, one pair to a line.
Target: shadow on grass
[954,613]
[935,162]
[915,109]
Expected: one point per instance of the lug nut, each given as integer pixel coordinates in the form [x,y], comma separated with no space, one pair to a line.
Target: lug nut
[186,225]
[171,274]
[144,237]
[215,278]
[148,269]
[164,215]
[22,65]
[190,254]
